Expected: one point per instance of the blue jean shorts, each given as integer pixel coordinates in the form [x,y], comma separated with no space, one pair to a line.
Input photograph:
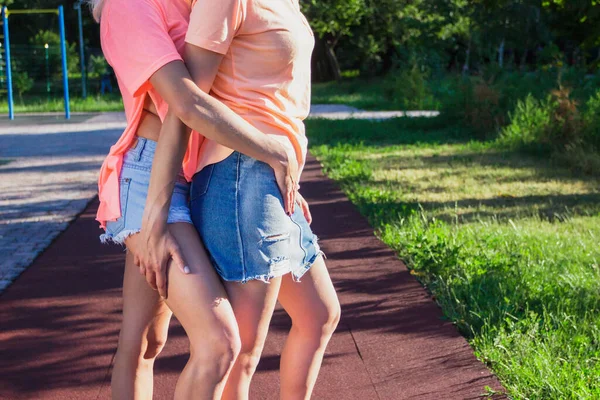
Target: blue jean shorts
[134,181]
[238,210]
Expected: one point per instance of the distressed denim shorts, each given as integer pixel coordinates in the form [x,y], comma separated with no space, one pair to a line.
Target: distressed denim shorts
[134,181]
[238,210]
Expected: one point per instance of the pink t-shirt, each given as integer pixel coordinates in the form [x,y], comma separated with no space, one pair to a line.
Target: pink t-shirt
[138,38]
[265,73]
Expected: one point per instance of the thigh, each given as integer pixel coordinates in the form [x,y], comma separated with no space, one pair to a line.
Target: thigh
[145,314]
[253,304]
[198,299]
[313,299]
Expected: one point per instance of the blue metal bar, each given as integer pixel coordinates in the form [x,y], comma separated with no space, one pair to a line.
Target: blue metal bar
[63,49]
[11,103]
[81,53]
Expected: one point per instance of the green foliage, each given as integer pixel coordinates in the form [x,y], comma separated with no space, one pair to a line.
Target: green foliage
[464,36]
[505,242]
[528,123]
[98,65]
[409,88]
[334,19]
[23,83]
[52,38]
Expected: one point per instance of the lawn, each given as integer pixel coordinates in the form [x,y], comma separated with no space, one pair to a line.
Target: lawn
[112,102]
[366,94]
[359,93]
[506,242]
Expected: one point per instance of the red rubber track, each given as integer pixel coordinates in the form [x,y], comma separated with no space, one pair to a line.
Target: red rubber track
[59,322]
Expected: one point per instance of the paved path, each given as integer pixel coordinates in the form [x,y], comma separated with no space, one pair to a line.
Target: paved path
[340,111]
[60,321]
[48,174]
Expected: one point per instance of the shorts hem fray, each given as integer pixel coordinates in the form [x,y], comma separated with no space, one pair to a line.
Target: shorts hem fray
[120,238]
[296,274]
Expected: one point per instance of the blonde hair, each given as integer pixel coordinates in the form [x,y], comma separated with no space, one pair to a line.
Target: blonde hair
[96,6]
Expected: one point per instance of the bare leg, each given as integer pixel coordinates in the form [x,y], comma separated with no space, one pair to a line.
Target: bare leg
[253,304]
[314,308]
[200,303]
[143,334]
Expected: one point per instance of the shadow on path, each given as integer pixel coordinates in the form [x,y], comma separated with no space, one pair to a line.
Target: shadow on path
[60,321]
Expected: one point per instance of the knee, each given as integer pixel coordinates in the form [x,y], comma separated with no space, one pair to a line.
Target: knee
[321,323]
[154,347]
[139,352]
[248,360]
[131,354]
[212,357]
[331,319]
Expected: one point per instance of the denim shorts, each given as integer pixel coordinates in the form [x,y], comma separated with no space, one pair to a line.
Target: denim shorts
[238,210]
[134,181]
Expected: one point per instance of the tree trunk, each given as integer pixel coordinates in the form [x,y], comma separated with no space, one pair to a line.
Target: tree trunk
[465,68]
[501,53]
[524,59]
[321,70]
[333,62]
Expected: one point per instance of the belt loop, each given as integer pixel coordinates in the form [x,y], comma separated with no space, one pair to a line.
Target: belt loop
[140,148]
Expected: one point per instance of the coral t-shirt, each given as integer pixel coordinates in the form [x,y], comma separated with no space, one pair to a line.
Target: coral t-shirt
[138,38]
[265,73]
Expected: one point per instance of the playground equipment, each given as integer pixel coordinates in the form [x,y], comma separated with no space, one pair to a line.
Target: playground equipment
[6,65]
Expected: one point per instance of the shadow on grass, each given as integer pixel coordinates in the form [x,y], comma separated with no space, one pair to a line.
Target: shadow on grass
[364,174]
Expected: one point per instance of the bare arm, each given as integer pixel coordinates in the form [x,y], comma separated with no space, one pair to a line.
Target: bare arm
[172,142]
[213,119]
[190,104]
[155,245]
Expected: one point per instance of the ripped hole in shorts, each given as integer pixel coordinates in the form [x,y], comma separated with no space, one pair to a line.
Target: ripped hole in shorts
[275,238]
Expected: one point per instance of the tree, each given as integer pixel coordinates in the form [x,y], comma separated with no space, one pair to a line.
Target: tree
[52,38]
[98,65]
[23,82]
[332,20]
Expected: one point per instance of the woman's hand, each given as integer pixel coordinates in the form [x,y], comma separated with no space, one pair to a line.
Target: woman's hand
[286,174]
[304,206]
[153,249]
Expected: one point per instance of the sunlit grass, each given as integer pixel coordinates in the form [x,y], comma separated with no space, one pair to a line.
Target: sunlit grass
[507,243]
[98,103]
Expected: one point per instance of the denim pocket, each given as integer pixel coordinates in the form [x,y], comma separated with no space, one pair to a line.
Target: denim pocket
[118,225]
[201,182]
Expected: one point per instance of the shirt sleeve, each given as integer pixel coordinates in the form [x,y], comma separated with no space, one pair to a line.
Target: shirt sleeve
[214,24]
[136,42]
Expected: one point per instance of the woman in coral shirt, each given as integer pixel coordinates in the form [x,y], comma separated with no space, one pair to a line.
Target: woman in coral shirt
[254,55]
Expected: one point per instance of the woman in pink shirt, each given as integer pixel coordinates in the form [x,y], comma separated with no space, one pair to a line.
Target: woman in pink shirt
[143,41]
[254,57]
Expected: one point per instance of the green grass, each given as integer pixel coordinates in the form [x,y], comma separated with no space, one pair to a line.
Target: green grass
[112,102]
[356,92]
[366,94]
[506,242]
